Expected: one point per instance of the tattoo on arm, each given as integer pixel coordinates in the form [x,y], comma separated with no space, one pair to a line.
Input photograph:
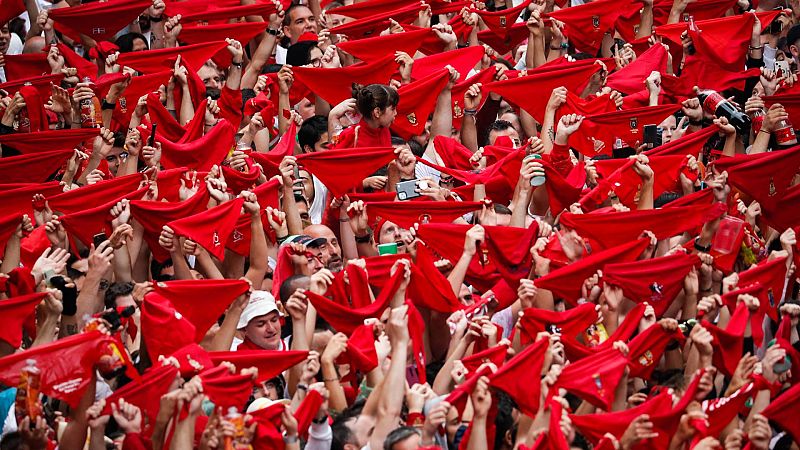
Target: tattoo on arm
[551,133]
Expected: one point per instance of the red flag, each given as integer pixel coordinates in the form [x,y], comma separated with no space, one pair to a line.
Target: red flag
[99,21]
[210,228]
[334,85]
[270,363]
[48,140]
[417,103]
[598,134]
[360,162]
[514,377]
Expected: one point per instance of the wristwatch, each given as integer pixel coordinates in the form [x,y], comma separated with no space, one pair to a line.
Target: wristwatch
[272,32]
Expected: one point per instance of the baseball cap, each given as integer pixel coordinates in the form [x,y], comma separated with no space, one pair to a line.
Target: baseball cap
[306,240]
[261,303]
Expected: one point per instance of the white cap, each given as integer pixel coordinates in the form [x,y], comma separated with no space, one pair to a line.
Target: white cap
[264,403]
[261,303]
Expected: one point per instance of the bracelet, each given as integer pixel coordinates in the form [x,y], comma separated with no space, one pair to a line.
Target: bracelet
[364,239]
[290,439]
[280,239]
[470,112]
[756,48]
[708,289]
[700,248]
[156,19]
[762,130]
[237,65]
[107,105]
[344,220]
[302,387]
[330,380]
[272,32]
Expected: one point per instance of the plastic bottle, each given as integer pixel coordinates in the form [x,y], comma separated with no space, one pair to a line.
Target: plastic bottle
[784,133]
[26,403]
[91,112]
[23,120]
[237,419]
[714,103]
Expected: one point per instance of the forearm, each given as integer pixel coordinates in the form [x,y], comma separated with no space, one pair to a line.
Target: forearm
[645,196]
[520,201]
[183,438]
[46,331]
[206,266]
[94,162]
[234,80]
[347,239]
[730,145]
[477,437]
[299,342]
[459,272]
[442,122]
[187,107]
[90,298]
[646,23]
[74,437]
[336,398]
[97,439]
[293,221]
[122,265]
[548,135]
[260,57]
[390,402]
[258,251]
[469,132]
[223,340]
[11,256]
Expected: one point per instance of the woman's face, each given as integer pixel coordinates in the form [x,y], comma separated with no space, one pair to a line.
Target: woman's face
[386,117]
[315,57]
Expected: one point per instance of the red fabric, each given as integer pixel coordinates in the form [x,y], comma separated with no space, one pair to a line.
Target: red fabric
[168,127]
[10,9]
[417,103]
[89,222]
[575,350]
[102,50]
[462,60]
[140,85]
[34,104]
[200,154]
[26,65]
[228,390]
[41,83]
[360,352]
[185,296]
[360,163]
[406,214]
[586,107]
[164,329]
[495,355]
[566,282]
[594,378]
[334,85]
[271,160]
[766,177]
[267,195]
[362,135]
[99,21]
[724,46]
[646,349]
[655,281]
[345,319]
[369,8]
[569,323]
[71,59]
[457,93]
[631,78]
[18,201]
[728,342]
[374,24]
[517,90]
[513,35]
[721,411]
[429,288]
[153,215]
[222,14]
[586,24]
[509,248]
[771,275]
[105,191]
[781,410]
[48,140]
[501,21]
[66,365]
[240,181]
[458,396]
[598,133]
[145,393]
[377,47]
[151,61]
[595,426]
[210,228]
[614,228]
[270,363]
[454,154]
[689,144]
[15,311]
[306,412]
[519,377]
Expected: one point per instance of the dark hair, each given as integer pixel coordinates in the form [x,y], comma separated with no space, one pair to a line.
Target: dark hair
[793,35]
[374,96]
[117,290]
[416,148]
[157,267]
[290,285]
[664,198]
[398,435]
[311,131]
[341,431]
[119,139]
[125,42]
[299,54]
[287,17]
[11,441]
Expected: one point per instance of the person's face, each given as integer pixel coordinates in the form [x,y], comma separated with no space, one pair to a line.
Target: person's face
[123,301]
[452,424]
[115,157]
[465,295]
[210,76]
[423,138]
[334,20]
[139,45]
[668,127]
[511,133]
[265,331]
[5,38]
[513,118]
[308,185]
[305,108]
[314,57]
[385,117]
[323,143]
[302,208]
[315,259]
[81,266]
[271,391]
[391,232]
[409,443]
[331,251]
[301,20]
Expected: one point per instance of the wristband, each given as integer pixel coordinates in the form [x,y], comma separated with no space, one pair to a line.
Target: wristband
[415,420]
[302,387]
[470,112]
[290,439]
[700,248]
[272,32]
[107,105]
[320,421]
[281,239]
[237,65]
[364,239]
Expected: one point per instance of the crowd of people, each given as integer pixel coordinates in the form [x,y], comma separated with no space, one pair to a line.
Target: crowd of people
[396,224]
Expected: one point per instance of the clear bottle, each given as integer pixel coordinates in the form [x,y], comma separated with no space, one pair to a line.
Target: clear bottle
[784,133]
[91,112]
[236,442]
[758,121]
[23,120]
[26,403]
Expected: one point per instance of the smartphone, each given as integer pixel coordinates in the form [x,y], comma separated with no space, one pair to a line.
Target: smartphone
[782,68]
[406,190]
[152,139]
[48,277]
[98,239]
[652,136]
